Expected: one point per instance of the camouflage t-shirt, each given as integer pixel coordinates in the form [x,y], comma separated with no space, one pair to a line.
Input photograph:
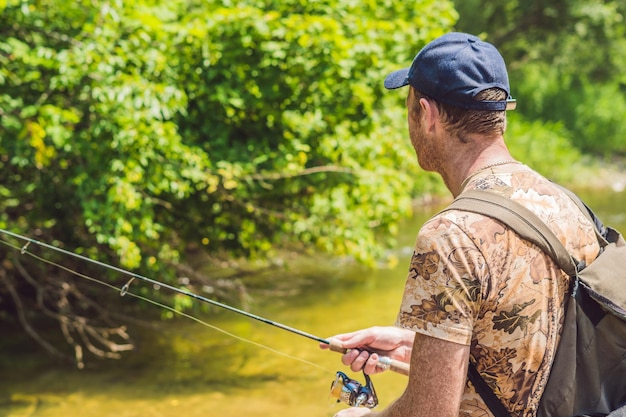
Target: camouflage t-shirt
[473,281]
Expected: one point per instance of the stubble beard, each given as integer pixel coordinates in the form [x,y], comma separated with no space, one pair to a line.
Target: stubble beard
[427,156]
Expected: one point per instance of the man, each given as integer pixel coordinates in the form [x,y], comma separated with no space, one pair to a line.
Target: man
[475,290]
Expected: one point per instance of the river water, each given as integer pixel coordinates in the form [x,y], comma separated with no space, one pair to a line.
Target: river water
[186,369]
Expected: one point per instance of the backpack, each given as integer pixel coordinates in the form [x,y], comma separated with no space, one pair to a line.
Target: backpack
[588,375]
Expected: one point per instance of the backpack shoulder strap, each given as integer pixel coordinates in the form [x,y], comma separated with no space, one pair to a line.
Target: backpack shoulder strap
[523,221]
[486,393]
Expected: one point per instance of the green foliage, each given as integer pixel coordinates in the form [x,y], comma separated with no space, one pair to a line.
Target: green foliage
[286,98]
[545,146]
[599,123]
[591,111]
[133,130]
[152,135]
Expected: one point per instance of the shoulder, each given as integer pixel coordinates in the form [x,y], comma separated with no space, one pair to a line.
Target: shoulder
[467,245]
[453,230]
[548,201]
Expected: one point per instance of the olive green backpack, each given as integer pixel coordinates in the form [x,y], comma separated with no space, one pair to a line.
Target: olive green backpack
[588,375]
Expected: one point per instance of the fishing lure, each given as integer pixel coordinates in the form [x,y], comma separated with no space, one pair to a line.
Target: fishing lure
[352,392]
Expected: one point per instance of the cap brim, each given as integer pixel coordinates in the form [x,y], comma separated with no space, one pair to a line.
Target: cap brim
[397,79]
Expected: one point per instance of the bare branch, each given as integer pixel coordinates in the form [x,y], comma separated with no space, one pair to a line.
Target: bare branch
[8,283]
[308,171]
[57,300]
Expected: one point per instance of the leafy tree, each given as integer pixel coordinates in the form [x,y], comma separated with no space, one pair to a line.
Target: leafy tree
[142,133]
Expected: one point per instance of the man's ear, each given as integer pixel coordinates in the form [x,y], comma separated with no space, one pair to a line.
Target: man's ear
[430,113]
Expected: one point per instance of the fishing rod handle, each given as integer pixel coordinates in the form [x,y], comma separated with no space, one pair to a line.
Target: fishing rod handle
[383,361]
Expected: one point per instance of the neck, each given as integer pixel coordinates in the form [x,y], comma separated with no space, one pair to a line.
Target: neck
[462,165]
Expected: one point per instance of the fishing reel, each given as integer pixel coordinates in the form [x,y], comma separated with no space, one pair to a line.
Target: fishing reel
[352,392]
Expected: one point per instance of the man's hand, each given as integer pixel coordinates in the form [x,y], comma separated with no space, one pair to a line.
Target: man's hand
[438,370]
[366,346]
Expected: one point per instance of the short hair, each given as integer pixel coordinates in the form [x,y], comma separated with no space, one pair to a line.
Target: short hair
[461,121]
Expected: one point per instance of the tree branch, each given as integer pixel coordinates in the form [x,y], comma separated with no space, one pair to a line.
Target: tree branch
[307,171]
[67,295]
[9,285]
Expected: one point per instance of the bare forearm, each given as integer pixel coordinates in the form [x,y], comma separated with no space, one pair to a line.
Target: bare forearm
[436,381]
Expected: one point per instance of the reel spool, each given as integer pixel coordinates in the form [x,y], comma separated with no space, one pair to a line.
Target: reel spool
[352,392]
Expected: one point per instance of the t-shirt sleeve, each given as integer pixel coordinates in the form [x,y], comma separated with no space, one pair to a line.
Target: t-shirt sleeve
[443,291]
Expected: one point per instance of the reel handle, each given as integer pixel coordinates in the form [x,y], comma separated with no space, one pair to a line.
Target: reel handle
[383,361]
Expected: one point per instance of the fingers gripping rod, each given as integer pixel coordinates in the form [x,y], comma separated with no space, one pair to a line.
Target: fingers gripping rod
[384,362]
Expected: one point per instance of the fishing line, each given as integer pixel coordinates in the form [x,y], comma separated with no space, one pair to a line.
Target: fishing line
[125,291]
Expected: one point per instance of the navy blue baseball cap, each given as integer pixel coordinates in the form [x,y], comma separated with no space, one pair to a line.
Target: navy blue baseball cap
[453,69]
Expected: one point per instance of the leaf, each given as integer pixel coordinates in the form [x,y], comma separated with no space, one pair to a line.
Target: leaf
[510,320]
[424,264]
[429,311]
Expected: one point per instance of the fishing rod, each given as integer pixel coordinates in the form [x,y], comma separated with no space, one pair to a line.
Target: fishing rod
[343,388]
